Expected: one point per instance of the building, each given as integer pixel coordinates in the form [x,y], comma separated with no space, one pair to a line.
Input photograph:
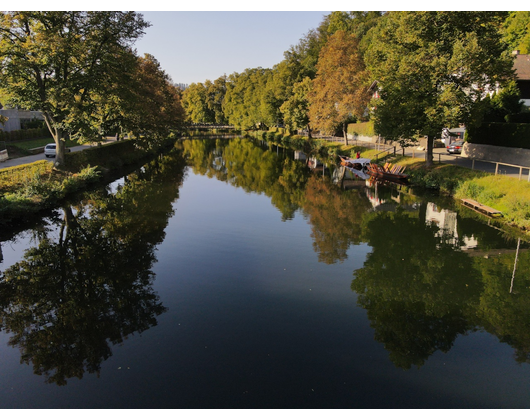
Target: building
[521,66]
[17,117]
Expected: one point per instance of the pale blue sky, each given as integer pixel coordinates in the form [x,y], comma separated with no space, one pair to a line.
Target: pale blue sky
[194,46]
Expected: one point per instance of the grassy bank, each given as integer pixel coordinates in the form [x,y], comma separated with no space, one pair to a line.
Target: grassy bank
[28,189]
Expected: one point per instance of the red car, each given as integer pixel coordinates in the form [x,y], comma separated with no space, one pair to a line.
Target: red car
[455,147]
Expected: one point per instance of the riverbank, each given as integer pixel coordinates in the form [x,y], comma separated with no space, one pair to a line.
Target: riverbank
[29,189]
[508,195]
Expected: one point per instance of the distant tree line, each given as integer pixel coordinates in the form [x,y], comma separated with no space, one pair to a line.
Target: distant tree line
[412,73]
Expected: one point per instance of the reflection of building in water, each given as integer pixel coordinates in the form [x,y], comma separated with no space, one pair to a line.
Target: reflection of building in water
[382,204]
[299,155]
[446,221]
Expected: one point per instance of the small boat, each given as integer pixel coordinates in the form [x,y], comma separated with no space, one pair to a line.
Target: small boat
[358,167]
[388,172]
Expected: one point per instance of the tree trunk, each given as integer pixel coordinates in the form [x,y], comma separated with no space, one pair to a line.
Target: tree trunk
[309,131]
[57,135]
[345,132]
[428,154]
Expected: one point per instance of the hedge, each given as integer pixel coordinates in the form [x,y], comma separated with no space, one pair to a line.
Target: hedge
[30,133]
[362,129]
[501,134]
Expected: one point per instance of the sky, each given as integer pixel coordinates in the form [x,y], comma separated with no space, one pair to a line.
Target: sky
[195,46]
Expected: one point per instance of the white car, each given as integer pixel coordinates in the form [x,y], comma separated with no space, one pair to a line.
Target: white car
[49,150]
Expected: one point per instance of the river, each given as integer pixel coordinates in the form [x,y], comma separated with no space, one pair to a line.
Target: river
[227,274]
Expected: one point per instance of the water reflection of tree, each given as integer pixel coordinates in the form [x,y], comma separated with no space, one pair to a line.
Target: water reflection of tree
[245,164]
[335,216]
[505,314]
[419,292]
[73,296]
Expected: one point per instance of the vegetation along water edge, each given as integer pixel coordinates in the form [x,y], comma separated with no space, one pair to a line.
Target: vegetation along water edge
[32,188]
[508,195]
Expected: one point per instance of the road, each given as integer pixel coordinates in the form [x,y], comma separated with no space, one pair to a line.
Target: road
[40,156]
[441,155]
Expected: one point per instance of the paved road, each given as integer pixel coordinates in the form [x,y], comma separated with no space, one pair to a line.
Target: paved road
[40,156]
[441,155]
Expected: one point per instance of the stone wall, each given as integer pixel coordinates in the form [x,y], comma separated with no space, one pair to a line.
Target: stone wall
[510,155]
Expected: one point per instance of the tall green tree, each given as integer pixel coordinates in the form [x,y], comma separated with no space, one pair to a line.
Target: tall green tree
[195,102]
[516,31]
[295,110]
[58,62]
[216,92]
[246,102]
[433,68]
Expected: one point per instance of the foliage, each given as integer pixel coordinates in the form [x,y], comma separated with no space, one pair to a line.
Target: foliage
[516,31]
[156,109]
[501,134]
[363,129]
[503,104]
[246,102]
[339,91]
[62,63]
[432,68]
[295,109]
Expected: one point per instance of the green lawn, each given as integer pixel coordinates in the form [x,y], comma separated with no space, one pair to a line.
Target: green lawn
[31,144]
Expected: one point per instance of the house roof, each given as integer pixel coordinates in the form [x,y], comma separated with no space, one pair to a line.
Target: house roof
[521,66]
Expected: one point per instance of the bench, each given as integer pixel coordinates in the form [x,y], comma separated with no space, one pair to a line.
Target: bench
[475,205]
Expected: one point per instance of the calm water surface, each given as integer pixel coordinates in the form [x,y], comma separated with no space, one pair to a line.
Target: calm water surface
[226,274]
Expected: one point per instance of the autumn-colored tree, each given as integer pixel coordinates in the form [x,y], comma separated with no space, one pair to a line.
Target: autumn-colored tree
[339,93]
[158,104]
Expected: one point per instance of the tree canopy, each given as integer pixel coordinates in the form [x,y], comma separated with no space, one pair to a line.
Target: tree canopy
[433,68]
[339,93]
[79,69]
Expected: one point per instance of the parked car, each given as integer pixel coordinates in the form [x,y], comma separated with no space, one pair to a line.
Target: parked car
[456,147]
[49,150]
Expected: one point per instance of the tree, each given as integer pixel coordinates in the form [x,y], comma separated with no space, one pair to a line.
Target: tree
[296,109]
[194,100]
[339,93]
[246,105]
[516,31]
[216,92]
[157,107]
[433,68]
[58,62]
